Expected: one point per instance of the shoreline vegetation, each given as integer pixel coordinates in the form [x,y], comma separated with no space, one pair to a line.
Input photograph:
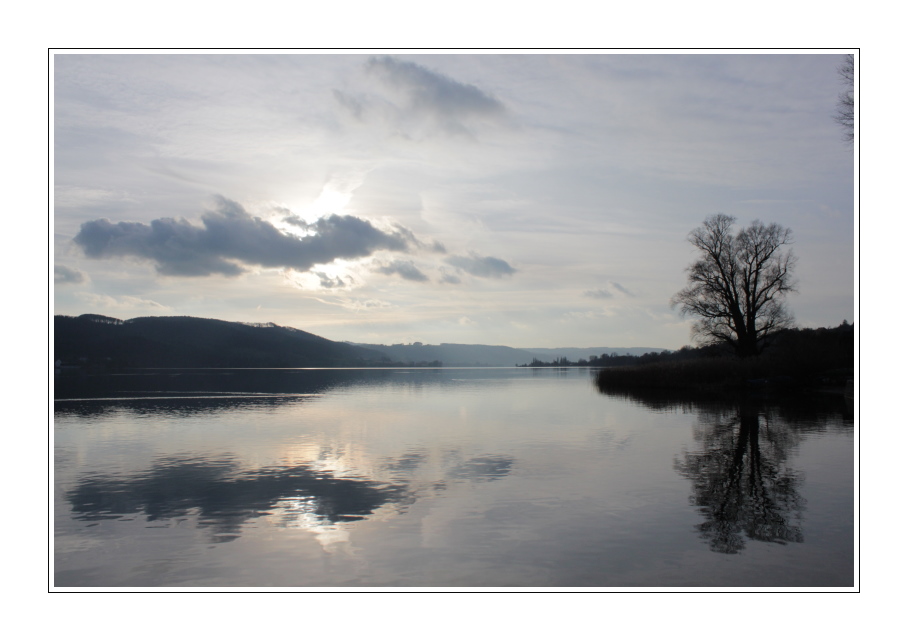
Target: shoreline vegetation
[797,361]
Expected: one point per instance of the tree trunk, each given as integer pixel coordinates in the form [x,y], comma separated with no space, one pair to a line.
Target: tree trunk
[747,346]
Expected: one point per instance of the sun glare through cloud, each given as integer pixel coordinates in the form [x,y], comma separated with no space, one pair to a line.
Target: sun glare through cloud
[332,200]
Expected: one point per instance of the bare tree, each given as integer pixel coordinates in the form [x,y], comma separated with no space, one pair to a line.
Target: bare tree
[845,112]
[736,288]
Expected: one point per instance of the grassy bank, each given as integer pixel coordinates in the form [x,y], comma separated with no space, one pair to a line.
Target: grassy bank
[726,375]
[800,361]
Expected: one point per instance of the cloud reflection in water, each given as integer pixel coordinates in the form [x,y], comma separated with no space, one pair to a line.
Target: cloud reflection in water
[483,468]
[224,496]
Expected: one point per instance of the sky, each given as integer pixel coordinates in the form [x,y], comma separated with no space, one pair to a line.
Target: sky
[528,200]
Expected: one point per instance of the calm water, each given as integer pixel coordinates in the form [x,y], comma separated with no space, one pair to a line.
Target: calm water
[444,478]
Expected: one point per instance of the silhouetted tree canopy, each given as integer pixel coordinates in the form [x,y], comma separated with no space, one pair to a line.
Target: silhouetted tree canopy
[845,112]
[736,288]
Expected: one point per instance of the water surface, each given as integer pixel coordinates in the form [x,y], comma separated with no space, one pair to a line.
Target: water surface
[510,477]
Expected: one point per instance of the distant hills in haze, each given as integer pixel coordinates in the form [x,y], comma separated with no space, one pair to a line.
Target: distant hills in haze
[185,341]
[457,355]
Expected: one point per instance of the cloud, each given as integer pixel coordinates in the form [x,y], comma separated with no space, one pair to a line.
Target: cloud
[447,278]
[66,276]
[605,293]
[71,197]
[430,90]
[403,268]
[481,266]
[354,105]
[120,302]
[434,246]
[230,239]
[598,293]
[589,314]
[359,304]
[621,289]
[417,93]
[327,282]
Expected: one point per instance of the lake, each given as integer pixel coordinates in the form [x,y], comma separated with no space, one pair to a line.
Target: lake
[442,478]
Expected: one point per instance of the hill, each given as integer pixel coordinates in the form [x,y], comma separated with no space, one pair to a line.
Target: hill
[459,355]
[184,341]
[576,353]
[453,354]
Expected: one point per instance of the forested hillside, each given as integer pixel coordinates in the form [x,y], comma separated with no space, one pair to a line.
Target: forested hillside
[184,341]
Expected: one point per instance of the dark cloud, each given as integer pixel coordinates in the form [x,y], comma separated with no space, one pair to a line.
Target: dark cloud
[433,90]
[231,238]
[293,219]
[481,266]
[330,283]
[65,276]
[428,94]
[434,246]
[403,268]
[621,289]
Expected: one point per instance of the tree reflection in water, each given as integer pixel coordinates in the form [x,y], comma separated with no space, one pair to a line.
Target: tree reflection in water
[741,482]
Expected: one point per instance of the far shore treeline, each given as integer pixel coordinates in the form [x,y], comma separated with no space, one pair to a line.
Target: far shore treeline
[795,359]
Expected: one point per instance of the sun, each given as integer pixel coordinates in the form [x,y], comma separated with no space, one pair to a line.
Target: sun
[334,197]
[330,201]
